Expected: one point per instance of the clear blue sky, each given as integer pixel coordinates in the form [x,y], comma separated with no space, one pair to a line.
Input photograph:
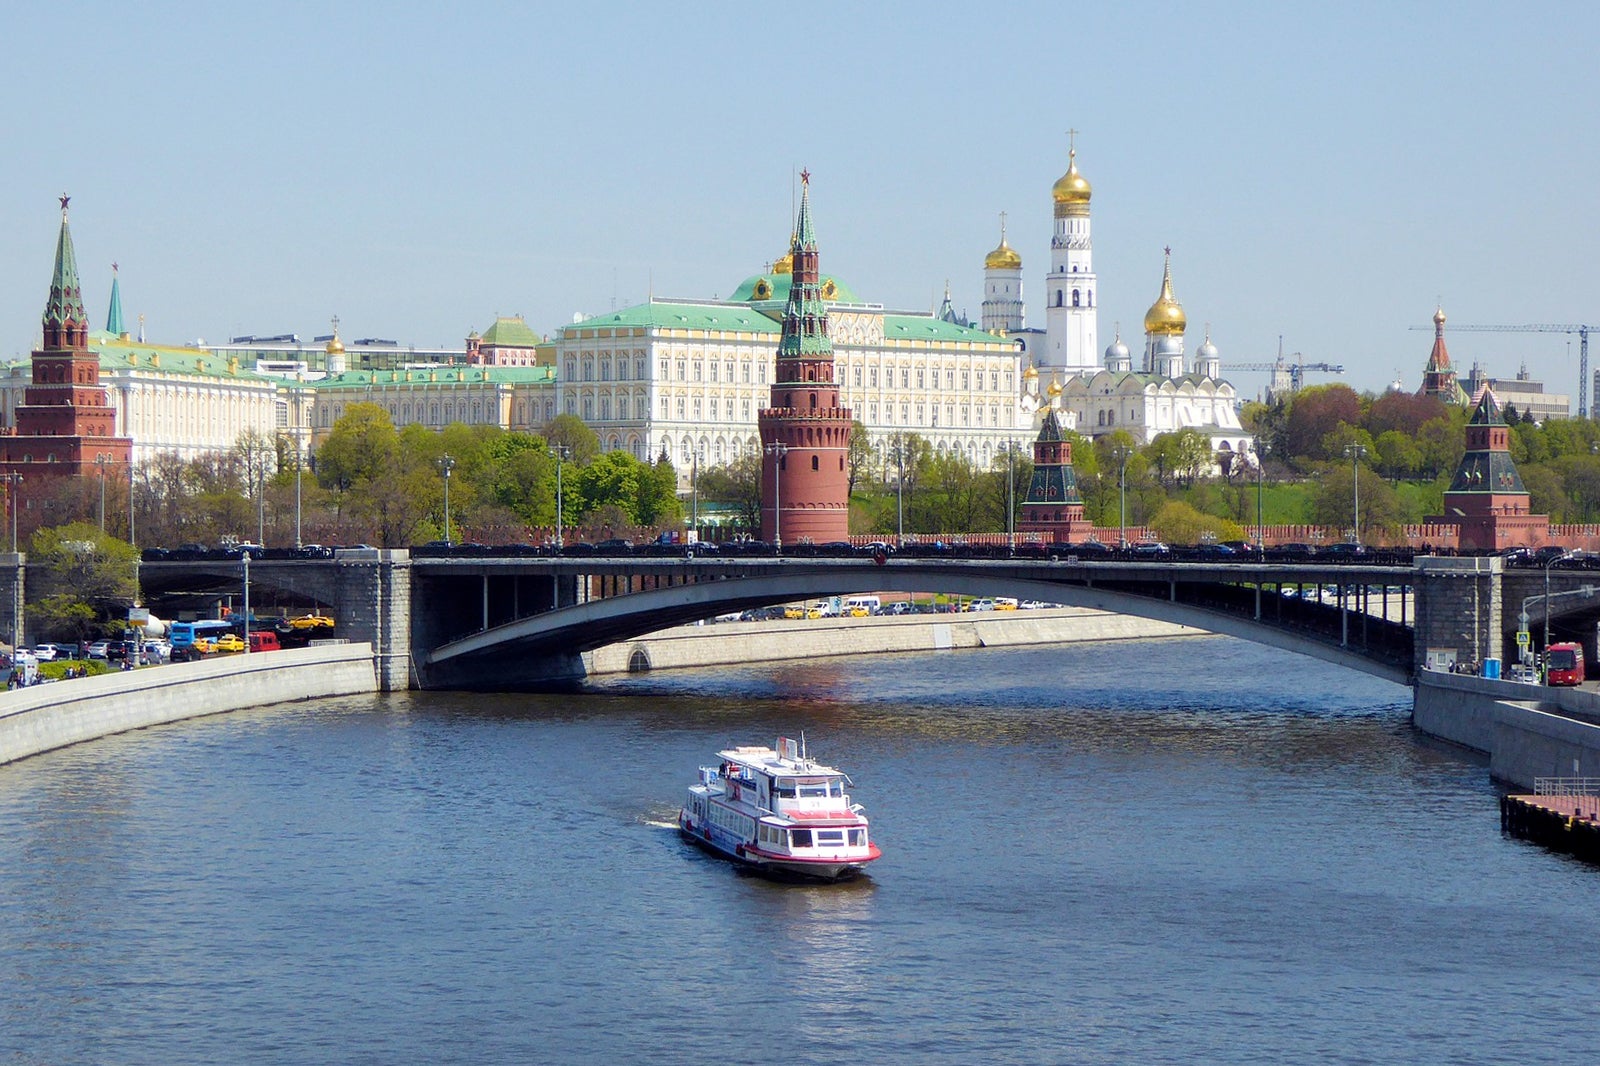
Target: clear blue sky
[1322,173]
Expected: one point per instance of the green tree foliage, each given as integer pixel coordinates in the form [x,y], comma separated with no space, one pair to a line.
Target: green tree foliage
[1180,523]
[862,457]
[1333,504]
[80,581]
[738,485]
[570,432]
[645,493]
[1397,455]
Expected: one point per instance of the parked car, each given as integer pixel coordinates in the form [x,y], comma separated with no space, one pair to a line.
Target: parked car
[228,643]
[46,653]
[100,649]
[1151,548]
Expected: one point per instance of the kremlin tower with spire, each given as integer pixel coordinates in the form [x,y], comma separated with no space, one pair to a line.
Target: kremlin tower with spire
[65,426]
[805,432]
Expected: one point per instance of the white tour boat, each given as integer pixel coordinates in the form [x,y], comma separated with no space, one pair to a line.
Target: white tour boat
[778,812]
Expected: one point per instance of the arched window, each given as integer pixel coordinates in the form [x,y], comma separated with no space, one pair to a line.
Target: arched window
[814,463]
[1076,298]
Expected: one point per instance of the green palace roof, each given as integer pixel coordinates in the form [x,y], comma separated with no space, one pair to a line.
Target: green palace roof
[774,288]
[439,376]
[918,328]
[118,354]
[663,315]
[510,333]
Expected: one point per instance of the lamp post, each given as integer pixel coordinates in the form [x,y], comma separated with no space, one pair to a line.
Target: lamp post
[446,464]
[100,461]
[261,503]
[245,559]
[1122,453]
[778,450]
[1356,452]
[899,492]
[299,464]
[1011,493]
[560,452]
[1259,450]
[694,495]
[132,537]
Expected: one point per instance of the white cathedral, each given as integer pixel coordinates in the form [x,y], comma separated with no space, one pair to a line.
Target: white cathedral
[1092,394]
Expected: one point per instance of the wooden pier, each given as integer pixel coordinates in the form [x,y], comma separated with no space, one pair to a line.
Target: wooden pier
[1563,814]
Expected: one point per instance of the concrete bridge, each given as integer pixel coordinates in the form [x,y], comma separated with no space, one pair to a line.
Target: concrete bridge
[506,621]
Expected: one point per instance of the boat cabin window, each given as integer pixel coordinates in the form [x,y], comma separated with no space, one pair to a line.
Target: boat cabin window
[830,838]
[813,787]
[800,838]
[858,838]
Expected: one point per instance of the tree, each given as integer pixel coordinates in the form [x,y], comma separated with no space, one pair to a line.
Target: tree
[1179,523]
[1333,504]
[570,432]
[861,455]
[80,580]
[1396,455]
[738,484]
[1402,411]
[1316,412]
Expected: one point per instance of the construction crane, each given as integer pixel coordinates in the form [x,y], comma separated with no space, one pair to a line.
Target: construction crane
[1583,350]
[1286,376]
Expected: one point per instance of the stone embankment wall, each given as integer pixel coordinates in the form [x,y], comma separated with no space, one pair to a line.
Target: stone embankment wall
[1528,731]
[46,717]
[723,643]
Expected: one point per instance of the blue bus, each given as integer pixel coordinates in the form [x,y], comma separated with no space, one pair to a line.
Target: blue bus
[183,634]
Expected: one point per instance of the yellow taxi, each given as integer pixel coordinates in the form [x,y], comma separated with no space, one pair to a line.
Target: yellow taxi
[794,611]
[226,644]
[311,621]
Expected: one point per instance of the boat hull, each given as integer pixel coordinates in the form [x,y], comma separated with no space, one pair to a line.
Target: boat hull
[778,869]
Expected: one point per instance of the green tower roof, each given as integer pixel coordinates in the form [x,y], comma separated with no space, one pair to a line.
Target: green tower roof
[66,295]
[114,324]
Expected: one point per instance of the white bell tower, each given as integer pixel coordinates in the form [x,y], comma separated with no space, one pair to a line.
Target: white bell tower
[1071,291]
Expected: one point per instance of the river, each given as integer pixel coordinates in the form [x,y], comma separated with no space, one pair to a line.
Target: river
[1194,851]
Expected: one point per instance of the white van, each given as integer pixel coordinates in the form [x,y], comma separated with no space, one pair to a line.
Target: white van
[861,606]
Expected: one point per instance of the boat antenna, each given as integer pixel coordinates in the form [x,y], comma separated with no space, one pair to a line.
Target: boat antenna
[802,745]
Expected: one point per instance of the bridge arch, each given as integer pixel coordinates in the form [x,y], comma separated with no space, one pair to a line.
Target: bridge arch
[482,657]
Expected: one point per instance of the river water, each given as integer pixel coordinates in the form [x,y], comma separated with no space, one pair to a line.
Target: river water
[1193,851]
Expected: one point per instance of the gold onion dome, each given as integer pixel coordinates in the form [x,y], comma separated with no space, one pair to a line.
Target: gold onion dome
[334,345]
[785,262]
[1055,388]
[1004,257]
[1071,187]
[1438,317]
[1030,373]
[1166,317]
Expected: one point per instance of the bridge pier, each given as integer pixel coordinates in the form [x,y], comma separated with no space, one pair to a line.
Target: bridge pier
[1459,608]
[373,601]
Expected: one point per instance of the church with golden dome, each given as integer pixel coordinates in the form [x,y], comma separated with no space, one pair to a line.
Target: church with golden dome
[1098,393]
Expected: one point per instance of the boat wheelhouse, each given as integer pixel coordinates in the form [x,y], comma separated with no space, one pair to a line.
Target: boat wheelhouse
[778,812]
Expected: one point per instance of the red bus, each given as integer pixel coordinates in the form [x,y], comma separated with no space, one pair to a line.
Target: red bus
[1564,664]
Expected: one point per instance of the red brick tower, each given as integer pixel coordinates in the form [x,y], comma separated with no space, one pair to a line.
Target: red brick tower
[1439,378]
[1053,505]
[65,423]
[1486,498]
[805,434]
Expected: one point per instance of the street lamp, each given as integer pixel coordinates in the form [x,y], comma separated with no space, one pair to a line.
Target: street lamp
[1259,450]
[446,464]
[899,496]
[694,494]
[100,461]
[1122,453]
[1011,493]
[778,450]
[244,558]
[560,451]
[1356,452]
[299,463]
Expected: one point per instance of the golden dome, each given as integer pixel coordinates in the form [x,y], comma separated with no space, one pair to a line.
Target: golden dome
[785,262]
[1071,187]
[1030,373]
[1004,257]
[1055,388]
[1166,317]
[1438,317]
[334,345]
